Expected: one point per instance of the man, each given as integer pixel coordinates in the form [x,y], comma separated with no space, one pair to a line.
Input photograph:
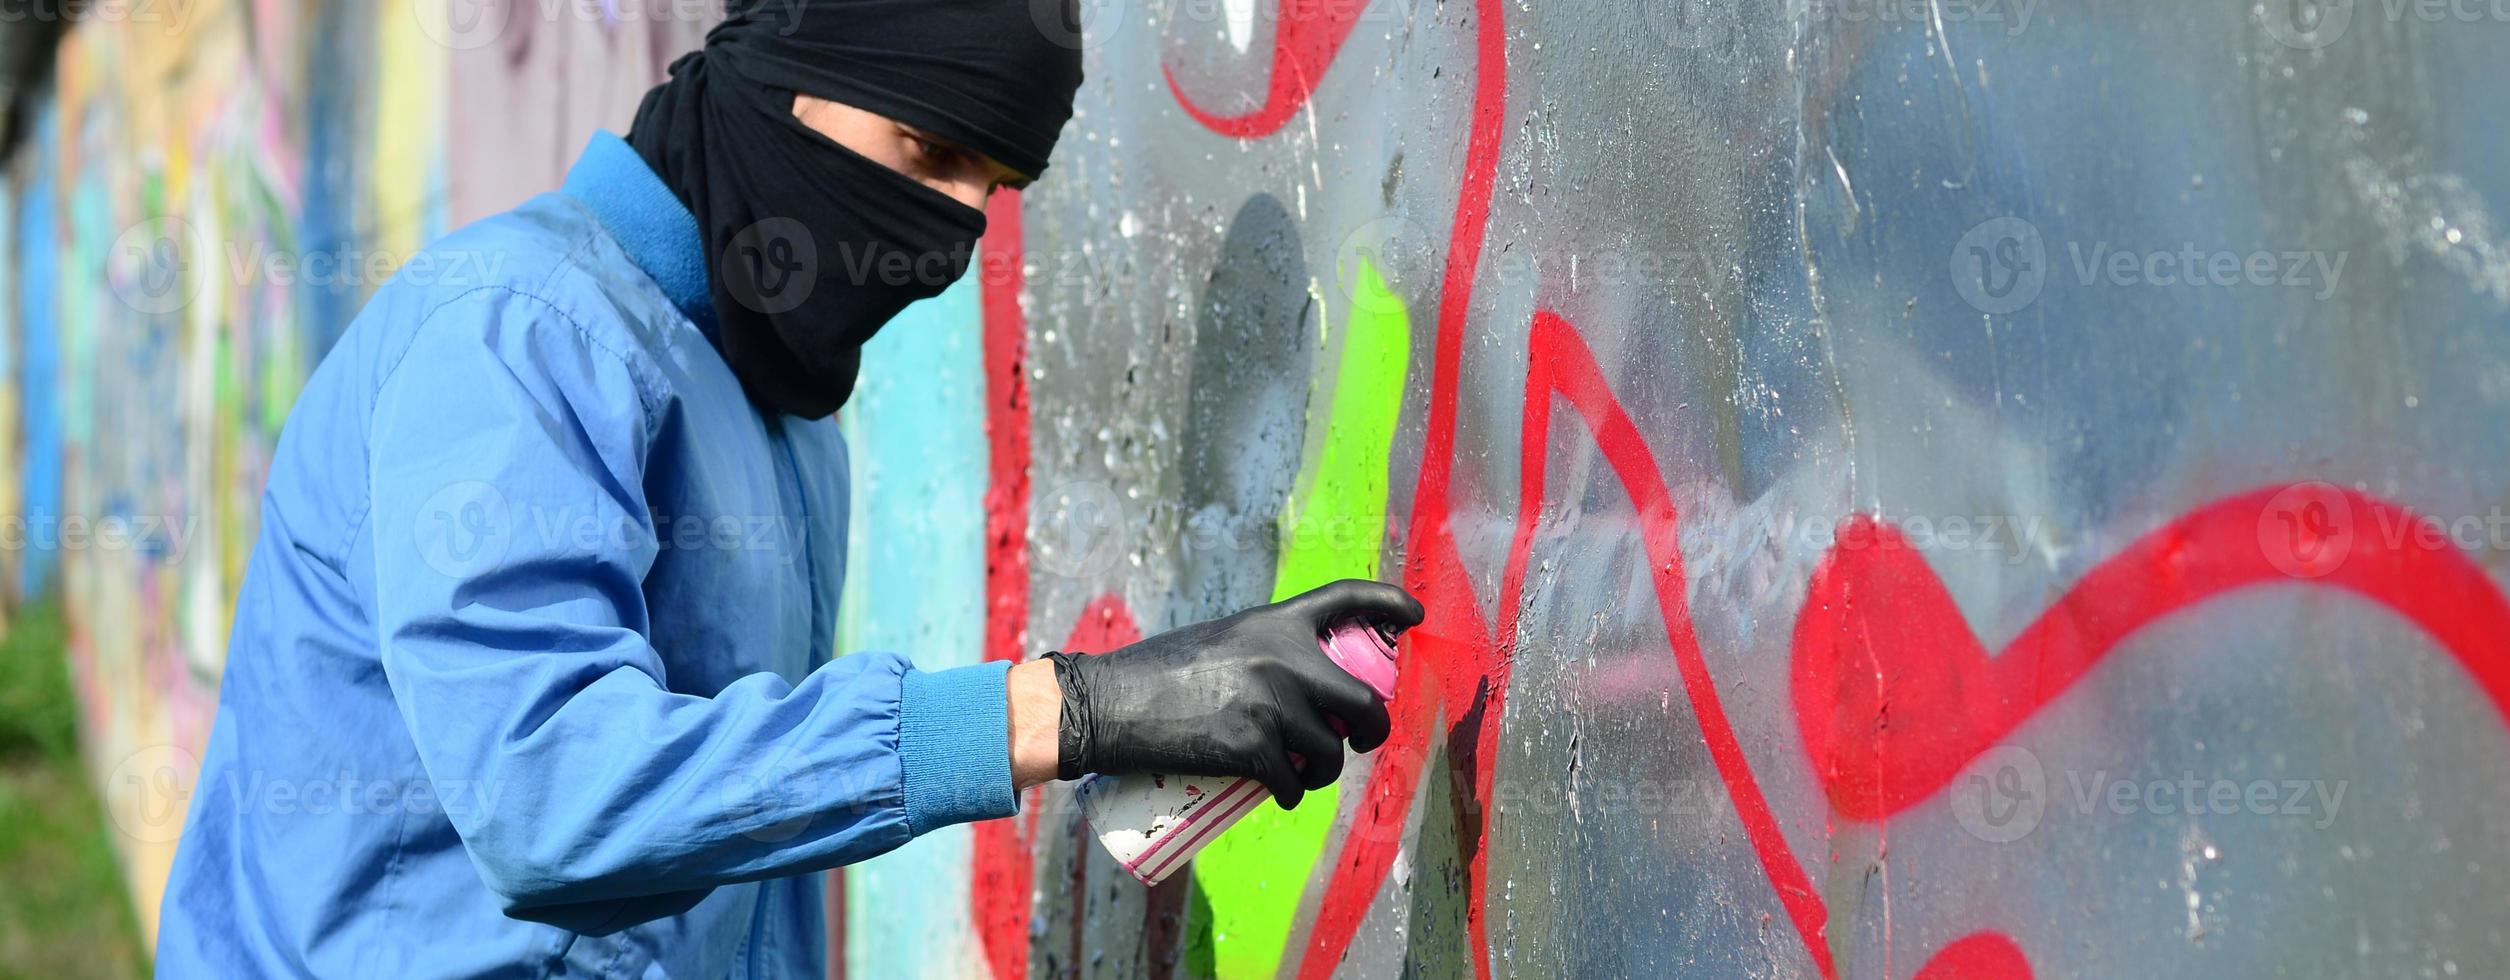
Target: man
[503,698]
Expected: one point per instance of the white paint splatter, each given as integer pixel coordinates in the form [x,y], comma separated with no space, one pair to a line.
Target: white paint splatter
[2438,214]
[1241,14]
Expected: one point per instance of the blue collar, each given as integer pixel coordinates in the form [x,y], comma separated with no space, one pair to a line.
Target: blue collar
[648,220]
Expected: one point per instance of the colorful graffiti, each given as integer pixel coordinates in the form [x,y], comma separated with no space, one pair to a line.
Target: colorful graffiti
[180,181]
[1887,712]
[1657,347]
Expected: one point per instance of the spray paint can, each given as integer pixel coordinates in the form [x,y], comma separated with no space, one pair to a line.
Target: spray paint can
[1154,824]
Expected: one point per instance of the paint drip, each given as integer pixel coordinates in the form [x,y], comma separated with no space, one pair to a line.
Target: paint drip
[1154,823]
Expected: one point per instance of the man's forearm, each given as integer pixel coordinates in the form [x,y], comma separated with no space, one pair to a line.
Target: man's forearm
[1036,723]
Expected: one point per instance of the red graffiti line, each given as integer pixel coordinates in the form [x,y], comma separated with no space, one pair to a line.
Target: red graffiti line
[1456,642]
[1467,660]
[1105,624]
[1886,730]
[1561,361]
[1894,695]
[1978,956]
[1472,667]
[1306,35]
[999,887]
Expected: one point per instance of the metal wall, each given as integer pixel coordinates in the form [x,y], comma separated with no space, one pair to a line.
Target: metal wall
[1951,489]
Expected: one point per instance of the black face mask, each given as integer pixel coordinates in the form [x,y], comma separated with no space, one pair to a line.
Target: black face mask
[812,248]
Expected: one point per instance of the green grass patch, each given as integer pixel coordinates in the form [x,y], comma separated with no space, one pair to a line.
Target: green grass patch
[63,910]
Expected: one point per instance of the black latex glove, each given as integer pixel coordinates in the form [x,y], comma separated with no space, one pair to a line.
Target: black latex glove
[1232,697]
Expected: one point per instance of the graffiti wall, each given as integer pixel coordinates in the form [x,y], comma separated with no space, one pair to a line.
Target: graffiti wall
[1932,489]
[192,219]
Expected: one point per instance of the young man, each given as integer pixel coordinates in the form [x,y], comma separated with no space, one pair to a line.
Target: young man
[503,697]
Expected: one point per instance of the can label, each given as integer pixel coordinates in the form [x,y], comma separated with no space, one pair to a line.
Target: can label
[1154,824]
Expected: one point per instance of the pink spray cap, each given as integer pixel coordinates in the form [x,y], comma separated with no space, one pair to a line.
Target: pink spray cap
[1366,651]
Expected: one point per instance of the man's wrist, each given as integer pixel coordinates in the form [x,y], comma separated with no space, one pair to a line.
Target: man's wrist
[1036,706]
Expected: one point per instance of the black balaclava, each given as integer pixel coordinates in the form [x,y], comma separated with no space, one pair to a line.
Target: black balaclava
[811,247]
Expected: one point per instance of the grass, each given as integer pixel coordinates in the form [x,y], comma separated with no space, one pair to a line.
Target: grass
[63,910]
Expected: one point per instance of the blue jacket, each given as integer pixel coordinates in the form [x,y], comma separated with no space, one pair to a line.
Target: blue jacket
[531,671]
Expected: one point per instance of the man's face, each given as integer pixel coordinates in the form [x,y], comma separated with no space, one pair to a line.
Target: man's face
[966,175]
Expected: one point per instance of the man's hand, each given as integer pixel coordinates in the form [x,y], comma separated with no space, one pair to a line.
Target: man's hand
[1240,696]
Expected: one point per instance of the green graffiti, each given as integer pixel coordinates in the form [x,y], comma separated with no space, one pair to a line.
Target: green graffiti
[1331,529]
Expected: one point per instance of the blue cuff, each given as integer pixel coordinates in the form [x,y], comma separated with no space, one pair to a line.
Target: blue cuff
[954,746]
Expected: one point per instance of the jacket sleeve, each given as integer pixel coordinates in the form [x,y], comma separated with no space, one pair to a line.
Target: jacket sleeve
[516,650]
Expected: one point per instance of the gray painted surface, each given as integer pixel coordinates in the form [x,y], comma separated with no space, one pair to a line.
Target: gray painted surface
[1762,223]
